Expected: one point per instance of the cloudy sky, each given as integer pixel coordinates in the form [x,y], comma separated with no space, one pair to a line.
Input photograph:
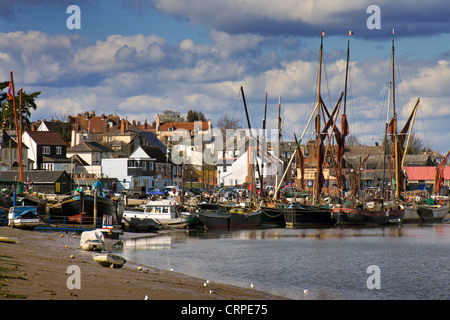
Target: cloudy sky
[138,58]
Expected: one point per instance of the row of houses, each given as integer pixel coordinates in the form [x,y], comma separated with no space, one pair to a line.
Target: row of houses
[124,154]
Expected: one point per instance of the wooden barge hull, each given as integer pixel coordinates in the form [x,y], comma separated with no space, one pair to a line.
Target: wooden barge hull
[356,216]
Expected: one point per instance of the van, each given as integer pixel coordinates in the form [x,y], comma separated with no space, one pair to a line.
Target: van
[172,191]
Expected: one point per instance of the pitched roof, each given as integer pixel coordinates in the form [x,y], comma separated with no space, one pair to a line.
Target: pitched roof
[89,146]
[36,176]
[47,138]
[155,152]
[182,125]
[424,173]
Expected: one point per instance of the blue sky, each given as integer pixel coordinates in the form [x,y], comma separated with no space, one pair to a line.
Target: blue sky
[138,58]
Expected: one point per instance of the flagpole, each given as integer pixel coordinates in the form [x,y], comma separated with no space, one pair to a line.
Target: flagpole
[19,139]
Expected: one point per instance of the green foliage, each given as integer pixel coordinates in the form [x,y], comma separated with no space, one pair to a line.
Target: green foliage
[7,119]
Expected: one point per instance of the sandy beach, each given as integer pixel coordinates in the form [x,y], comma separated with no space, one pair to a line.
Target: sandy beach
[36,268]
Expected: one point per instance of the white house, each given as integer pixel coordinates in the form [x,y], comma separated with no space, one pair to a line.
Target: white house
[117,168]
[240,171]
[92,153]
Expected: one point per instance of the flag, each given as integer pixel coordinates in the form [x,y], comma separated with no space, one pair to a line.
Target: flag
[393,31]
[10,91]
[350,33]
[323,33]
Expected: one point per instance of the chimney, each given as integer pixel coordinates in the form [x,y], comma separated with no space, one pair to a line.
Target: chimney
[157,122]
[122,126]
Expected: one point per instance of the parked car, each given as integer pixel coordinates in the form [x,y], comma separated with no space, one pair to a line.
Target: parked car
[136,192]
[156,193]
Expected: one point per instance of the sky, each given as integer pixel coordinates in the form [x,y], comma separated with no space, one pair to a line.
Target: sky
[138,58]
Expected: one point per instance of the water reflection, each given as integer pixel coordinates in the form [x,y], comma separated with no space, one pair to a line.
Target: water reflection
[167,241]
[330,263]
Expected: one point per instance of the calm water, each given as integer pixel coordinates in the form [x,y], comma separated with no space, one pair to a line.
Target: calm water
[328,263]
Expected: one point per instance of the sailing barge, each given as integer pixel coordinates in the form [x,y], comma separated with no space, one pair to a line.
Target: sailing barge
[80,207]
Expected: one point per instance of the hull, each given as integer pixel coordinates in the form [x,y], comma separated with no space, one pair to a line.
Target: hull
[109,260]
[81,210]
[24,217]
[272,215]
[156,215]
[232,220]
[425,213]
[357,216]
[300,216]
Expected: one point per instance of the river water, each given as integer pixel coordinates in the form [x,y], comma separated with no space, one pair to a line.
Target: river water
[406,262]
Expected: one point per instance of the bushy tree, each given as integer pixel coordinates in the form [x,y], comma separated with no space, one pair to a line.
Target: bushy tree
[23,112]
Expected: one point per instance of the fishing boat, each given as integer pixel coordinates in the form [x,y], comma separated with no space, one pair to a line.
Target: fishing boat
[80,207]
[159,214]
[24,217]
[108,259]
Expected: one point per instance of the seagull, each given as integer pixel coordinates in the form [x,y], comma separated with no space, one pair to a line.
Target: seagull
[171,269]
[146,297]
[205,284]
[305,291]
[252,285]
[211,291]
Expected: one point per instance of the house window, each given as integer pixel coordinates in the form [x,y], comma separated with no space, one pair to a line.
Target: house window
[46,150]
[144,166]
[58,150]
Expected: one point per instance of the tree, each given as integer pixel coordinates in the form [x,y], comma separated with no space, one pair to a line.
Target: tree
[195,116]
[23,112]
[225,123]
[171,116]
[353,141]
[415,145]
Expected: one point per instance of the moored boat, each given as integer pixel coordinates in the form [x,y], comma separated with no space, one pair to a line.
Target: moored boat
[80,207]
[233,219]
[298,215]
[272,215]
[24,217]
[425,213]
[156,215]
[365,216]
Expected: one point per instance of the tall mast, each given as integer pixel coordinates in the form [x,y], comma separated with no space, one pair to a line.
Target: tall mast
[278,142]
[263,149]
[346,73]
[250,130]
[19,137]
[397,169]
[317,125]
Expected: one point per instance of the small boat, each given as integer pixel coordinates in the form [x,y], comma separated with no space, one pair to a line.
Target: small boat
[159,214]
[92,240]
[24,217]
[425,213]
[108,259]
[233,219]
